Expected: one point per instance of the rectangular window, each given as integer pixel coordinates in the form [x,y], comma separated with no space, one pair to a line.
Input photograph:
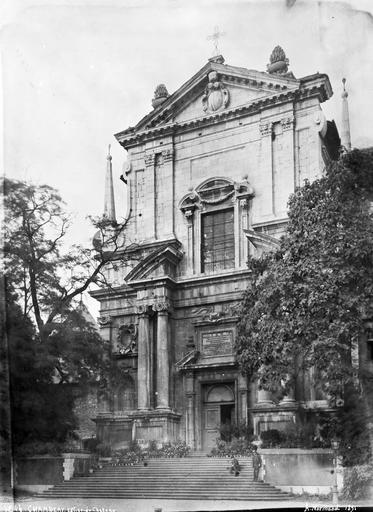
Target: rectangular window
[217,244]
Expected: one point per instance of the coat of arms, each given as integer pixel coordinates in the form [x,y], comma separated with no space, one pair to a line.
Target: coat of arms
[216,95]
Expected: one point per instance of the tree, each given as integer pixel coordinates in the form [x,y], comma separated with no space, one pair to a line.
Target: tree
[41,410]
[47,280]
[306,305]
[51,344]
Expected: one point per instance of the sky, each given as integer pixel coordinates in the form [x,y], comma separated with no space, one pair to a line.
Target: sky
[76,72]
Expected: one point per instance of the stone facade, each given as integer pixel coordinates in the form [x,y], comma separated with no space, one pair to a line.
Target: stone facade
[209,173]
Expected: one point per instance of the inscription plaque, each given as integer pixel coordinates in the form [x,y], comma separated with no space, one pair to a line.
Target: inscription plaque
[216,343]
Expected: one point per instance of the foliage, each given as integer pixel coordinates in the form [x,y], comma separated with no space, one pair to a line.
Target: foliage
[48,280]
[41,410]
[348,424]
[39,448]
[52,342]
[228,431]
[178,449]
[292,437]
[134,453]
[91,444]
[241,447]
[104,450]
[358,482]
[307,301]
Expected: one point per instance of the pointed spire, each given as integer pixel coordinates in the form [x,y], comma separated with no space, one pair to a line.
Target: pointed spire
[109,206]
[345,131]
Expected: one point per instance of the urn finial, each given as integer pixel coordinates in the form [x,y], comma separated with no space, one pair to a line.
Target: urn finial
[160,95]
[278,62]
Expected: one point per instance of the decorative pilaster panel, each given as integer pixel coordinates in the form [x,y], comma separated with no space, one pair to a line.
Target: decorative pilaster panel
[284,163]
[265,185]
[149,194]
[164,194]
[163,349]
[139,205]
[144,367]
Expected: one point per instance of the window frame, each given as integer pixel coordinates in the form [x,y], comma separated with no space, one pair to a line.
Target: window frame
[214,263]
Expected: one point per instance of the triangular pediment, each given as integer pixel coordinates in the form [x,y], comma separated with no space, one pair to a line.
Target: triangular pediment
[161,262]
[237,95]
[218,88]
[245,84]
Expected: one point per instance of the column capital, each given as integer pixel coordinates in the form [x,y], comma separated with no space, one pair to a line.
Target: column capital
[162,306]
[149,159]
[168,155]
[142,309]
[265,128]
[105,320]
[287,123]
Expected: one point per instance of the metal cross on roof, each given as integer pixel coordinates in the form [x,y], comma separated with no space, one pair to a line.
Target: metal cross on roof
[215,38]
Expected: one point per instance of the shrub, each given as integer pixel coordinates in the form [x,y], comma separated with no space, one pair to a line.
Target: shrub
[271,438]
[358,481]
[170,450]
[104,450]
[91,444]
[127,457]
[229,431]
[39,448]
[134,447]
[241,447]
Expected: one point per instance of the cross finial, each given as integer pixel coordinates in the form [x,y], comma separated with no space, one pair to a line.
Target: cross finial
[215,38]
[108,153]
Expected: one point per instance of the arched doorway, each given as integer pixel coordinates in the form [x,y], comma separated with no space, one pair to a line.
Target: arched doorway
[218,411]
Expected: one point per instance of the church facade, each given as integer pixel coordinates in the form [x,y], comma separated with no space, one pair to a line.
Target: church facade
[209,174]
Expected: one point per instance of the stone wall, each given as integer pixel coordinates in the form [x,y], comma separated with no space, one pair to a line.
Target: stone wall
[39,473]
[300,471]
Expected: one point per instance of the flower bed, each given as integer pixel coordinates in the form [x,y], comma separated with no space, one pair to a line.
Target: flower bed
[237,448]
[134,454]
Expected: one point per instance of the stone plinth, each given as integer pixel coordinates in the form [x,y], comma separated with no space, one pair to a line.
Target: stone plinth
[140,426]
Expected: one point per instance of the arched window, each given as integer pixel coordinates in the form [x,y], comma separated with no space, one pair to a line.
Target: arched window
[217,213]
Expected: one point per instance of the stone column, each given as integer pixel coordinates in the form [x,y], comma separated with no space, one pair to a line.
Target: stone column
[190,420]
[190,407]
[242,398]
[143,360]
[163,363]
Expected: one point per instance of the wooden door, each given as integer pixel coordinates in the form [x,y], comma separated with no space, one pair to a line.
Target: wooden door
[211,425]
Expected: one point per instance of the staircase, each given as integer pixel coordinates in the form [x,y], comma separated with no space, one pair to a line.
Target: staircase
[195,477]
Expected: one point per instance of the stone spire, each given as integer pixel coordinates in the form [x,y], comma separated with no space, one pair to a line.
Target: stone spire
[109,205]
[345,131]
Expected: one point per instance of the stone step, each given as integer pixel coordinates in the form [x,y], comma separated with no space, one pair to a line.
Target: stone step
[195,477]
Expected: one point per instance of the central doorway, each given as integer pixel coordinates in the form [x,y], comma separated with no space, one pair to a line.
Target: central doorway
[218,413]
